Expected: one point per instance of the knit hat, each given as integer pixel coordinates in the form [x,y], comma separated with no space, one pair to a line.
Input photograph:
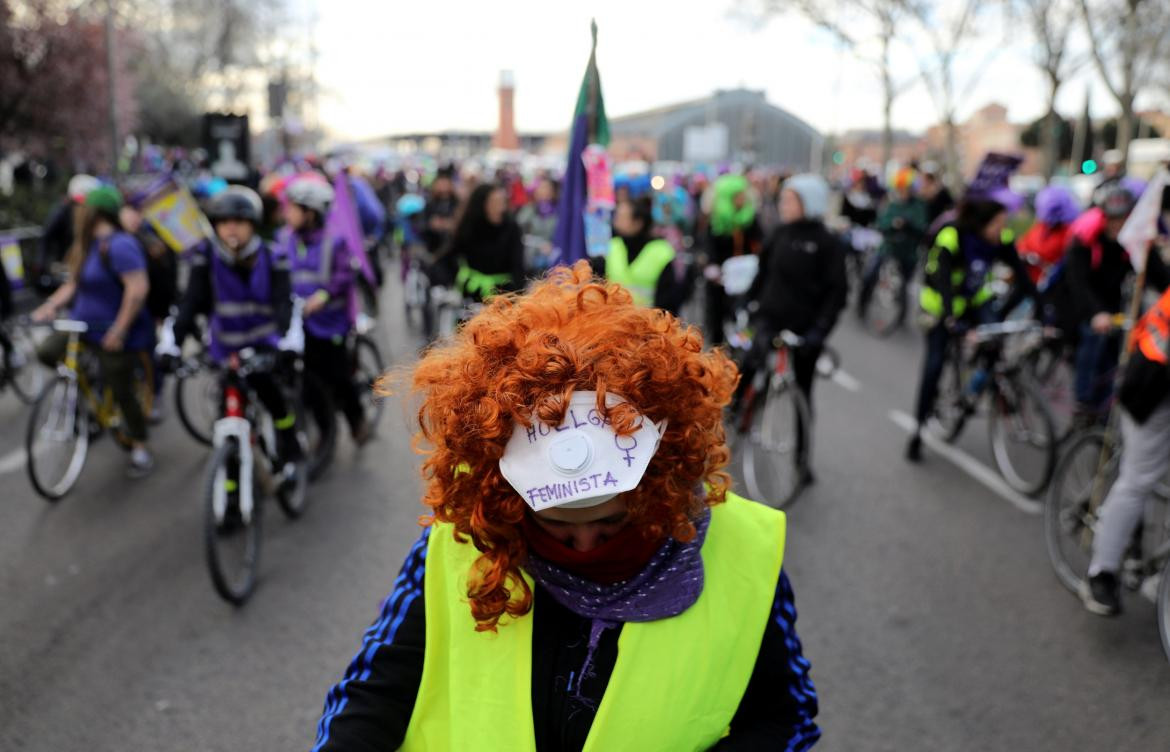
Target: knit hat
[813,191]
[105,199]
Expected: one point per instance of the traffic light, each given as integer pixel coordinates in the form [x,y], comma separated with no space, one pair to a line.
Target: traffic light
[838,157]
[1089,166]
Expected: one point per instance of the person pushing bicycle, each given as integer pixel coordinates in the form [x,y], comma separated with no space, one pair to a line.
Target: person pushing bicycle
[244,289]
[1145,430]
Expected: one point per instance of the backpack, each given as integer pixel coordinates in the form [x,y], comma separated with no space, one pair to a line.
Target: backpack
[161,272]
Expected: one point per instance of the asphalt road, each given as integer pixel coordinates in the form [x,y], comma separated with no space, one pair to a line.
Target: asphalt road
[927,604]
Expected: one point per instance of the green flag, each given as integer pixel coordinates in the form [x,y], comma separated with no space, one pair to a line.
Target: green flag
[589,100]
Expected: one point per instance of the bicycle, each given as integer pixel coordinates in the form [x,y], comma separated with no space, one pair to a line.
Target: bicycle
[776,420]
[74,409]
[1020,428]
[19,368]
[1087,470]
[367,367]
[886,306]
[198,392]
[244,467]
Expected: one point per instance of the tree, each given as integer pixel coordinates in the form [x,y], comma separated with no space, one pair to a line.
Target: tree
[949,37]
[880,21]
[1048,131]
[1128,40]
[1050,23]
[54,87]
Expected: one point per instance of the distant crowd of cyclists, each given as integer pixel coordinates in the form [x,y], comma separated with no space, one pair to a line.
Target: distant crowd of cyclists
[680,242]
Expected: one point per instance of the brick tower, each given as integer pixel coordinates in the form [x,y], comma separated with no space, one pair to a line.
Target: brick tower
[506,137]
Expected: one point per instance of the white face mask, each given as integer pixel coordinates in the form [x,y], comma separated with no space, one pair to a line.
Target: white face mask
[580,463]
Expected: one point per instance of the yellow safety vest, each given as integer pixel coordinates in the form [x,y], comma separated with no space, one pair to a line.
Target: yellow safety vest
[676,685]
[640,277]
[930,298]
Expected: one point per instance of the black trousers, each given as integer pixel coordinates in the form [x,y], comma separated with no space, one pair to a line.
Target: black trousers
[329,360]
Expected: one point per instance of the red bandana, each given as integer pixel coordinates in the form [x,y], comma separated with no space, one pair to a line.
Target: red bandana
[619,558]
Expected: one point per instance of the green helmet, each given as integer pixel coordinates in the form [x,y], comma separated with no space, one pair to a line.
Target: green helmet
[106,199]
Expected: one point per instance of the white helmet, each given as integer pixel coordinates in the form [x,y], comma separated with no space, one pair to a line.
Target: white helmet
[311,194]
[80,186]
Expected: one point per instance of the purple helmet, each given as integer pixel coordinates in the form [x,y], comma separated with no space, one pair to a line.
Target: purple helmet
[1055,205]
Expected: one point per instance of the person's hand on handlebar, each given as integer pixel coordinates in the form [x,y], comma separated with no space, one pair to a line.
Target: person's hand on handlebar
[44,313]
[1101,323]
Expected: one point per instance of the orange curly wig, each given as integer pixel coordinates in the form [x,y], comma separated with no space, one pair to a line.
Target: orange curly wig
[525,355]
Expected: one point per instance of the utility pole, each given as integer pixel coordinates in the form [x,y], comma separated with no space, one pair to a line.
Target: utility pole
[111,83]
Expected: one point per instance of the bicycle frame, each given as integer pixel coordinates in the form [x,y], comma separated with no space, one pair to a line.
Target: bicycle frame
[235,425]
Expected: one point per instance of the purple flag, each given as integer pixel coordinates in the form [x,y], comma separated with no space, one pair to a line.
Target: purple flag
[569,238]
[343,223]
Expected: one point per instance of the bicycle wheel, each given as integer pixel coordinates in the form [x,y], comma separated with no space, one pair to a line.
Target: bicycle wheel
[950,407]
[231,536]
[197,403]
[1023,441]
[27,376]
[1068,520]
[57,440]
[292,492]
[1164,608]
[320,426]
[368,368]
[771,455]
[1055,377]
[887,306]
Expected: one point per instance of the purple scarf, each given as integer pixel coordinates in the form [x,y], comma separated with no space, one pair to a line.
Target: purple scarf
[669,584]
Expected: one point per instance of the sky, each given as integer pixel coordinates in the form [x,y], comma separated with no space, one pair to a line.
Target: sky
[394,67]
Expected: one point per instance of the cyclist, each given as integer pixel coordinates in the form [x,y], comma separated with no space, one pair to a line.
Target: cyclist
[801,286]
[1097,267]
[937,196]
[1046,241]
[640,261]
[957,291]
[6,309]
[538,221]
[57,236]
[108,286]
[1145,430]
[323,277]
[903,224]
[487,247]
[734,230]
[438,222]
[238,282]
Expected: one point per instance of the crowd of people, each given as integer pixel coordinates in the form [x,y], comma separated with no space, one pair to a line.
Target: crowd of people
[272,265]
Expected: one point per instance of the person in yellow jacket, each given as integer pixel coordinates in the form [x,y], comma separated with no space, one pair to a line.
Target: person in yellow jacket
[586,580]
[640,261]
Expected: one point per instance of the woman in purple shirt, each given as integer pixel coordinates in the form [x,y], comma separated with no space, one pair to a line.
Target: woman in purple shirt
[107,286]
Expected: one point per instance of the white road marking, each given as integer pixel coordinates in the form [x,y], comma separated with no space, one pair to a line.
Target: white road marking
[845,381]
[969,465]
[13,461]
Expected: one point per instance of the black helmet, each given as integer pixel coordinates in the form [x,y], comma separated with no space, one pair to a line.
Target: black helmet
[1117,202]
[237,202]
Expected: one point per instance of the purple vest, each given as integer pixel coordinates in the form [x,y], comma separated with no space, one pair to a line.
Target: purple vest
[242,314]
[312,267]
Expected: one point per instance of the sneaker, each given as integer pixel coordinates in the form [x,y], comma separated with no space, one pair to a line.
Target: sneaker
[141,463]
[807,478]
[157,413]
[1101,594]
[914,449]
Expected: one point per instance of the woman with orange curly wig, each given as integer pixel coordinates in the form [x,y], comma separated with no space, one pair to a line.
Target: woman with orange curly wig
[585,580]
